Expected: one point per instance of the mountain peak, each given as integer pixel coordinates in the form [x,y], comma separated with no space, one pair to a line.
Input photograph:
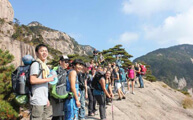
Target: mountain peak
[35,23]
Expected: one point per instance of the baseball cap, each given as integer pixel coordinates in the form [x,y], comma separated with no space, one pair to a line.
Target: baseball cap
[64,57]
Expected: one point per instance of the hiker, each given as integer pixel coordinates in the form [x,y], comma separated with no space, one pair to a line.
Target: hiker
[118,85]
[109,67]
[131,75]
[100,92]
[108,86]
[118,61]
[95,54]
[71,105]
[138,71]
[113,74]
[99,68]
[105,70]
[91,98]
[101,59]
[92,64]
[40,104]
[141,76]
[122,76]
[83,89]
[58,104]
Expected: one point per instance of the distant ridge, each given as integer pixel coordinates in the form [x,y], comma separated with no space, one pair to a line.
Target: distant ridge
[173,65]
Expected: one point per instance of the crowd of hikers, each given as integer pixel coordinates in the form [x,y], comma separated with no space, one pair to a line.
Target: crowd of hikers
[62,91]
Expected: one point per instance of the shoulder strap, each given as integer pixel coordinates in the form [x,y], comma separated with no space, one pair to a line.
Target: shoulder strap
[40,67]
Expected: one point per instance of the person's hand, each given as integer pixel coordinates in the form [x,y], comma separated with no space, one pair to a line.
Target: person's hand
[48,103]
[112,95]
[51,78]
[78,104]
[109,96]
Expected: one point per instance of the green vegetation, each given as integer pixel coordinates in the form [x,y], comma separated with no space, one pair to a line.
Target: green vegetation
[185,92]
[170,62]
[187,103]
[164,86]
[7,110]
[2,21]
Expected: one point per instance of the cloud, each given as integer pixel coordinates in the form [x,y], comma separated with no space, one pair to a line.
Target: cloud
[126,38]
[150,7]
[176,29]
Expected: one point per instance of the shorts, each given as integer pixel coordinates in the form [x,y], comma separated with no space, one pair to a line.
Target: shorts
[131,80]
[118,85]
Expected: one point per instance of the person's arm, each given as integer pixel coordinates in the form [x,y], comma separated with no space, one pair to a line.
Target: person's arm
[110,90]
[34,71]
[72,79]
[102,82]
[35,80]
[86,92]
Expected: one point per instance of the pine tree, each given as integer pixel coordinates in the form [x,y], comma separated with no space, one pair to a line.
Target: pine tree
[111,53]
[6,110]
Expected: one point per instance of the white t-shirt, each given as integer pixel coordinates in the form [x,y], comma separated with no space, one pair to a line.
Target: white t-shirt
[39,91]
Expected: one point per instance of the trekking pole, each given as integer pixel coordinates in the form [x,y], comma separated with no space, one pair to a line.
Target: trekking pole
[112,110]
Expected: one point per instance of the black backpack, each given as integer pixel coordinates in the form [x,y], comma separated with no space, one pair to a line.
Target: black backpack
[95,82]
[81,80]
[21,79]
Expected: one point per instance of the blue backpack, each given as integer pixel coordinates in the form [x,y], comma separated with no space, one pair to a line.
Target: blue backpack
[122,75]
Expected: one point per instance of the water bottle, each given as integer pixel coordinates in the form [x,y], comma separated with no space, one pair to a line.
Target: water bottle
[22,83]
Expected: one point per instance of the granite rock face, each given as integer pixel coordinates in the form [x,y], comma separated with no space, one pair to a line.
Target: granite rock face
[6,10]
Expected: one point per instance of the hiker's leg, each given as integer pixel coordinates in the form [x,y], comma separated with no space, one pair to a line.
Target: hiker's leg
[37,112]
[122,94]
[128,85]
[101,100]
[90,102]
[123,87]
[132,85]
[141,81]
[119,93]
[94,102]
[47,112]
[82,107]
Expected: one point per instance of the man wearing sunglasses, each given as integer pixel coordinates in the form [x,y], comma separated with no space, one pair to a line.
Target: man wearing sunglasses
[57,104]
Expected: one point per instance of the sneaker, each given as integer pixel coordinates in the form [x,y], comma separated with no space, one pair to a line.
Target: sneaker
[124,97]
[91,114]
[119,99]
[132,93]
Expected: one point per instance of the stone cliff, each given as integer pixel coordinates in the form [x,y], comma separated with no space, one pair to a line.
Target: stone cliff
[6,10]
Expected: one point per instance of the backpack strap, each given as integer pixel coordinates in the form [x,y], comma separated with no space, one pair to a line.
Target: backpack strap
[40,68]
[40,71]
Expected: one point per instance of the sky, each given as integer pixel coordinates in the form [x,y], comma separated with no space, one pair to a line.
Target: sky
[141,26]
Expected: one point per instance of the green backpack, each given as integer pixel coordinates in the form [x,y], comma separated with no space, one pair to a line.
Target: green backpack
[58,90]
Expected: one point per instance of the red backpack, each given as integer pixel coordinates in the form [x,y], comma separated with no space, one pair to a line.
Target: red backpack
[143,69]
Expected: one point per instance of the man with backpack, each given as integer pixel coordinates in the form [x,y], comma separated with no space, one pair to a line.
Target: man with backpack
[58,103]
[82,76]
[139,74]
[40,104]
